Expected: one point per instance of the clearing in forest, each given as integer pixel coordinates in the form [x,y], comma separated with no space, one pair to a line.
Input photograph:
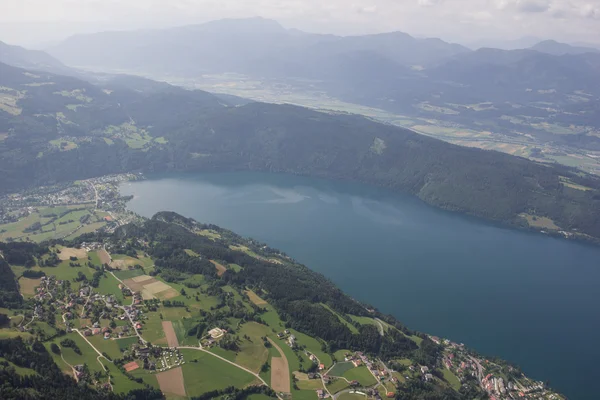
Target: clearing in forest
[220,268]
[171,381]
[28,286]
[170,334]
[255,298]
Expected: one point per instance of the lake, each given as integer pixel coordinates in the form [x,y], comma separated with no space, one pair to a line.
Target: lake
[524,297]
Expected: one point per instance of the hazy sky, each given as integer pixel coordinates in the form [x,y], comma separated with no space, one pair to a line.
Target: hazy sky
[30,22]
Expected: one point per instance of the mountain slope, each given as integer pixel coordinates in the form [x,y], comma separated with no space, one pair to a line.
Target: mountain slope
[559,49]
[31,59]
[68,129]
[236,46]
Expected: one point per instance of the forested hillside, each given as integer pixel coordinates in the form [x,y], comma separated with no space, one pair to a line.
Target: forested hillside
[55,128]
[200,312]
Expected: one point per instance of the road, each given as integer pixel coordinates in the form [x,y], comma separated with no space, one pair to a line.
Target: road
[381,327]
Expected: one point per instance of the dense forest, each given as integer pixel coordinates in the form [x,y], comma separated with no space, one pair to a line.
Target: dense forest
[200,132]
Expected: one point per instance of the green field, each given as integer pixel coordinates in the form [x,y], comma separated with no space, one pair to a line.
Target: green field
[94,258]
[234,267]
[313,346]
[110,347]
[125,343]
[362,375]
[19,370]
[152,329]
[451,379]
[50,226]
[126,274]
[351,396]
[340,368]
[364,320]
[252,353]
[66,272]
[210,373]
[310,384]
[109,285]
[120,382]
[337,385]
[88,355]
[341,354]
[258,397]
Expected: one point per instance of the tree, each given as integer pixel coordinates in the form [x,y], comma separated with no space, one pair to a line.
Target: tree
[55,349]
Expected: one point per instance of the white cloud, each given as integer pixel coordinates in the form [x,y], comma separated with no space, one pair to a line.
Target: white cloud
[28,21]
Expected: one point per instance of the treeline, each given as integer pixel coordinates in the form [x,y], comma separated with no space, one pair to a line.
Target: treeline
[22,253]
[233,393]
[49,382]
[9,289]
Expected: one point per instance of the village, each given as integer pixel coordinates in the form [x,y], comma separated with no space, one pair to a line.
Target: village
[65,210]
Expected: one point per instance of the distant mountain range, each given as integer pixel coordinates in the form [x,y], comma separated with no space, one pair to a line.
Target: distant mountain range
[538,91]
[31,59]
[559,49]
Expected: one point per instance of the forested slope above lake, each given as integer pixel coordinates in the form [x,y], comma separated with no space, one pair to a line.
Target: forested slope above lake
[55,128]
[211,295]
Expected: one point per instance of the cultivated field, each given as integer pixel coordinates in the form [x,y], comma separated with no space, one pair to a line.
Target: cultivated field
[280,371]
[104,256]
[151,288]
[361,374]
[220,268]
[255,298]
[340,368]
[204,372]
[172,382]
[170,334]
[28,286]
[68,252]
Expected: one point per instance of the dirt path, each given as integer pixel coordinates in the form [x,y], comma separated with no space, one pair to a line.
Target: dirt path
[280,371]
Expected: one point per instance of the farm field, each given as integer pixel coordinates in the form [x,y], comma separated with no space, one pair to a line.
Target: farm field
[310,384]
[203,372]
[172,382]
[340,368]
[451,379]
[360,374]
[351,396]
[27,286]
[337,385]
[47,223]
[252,354]
[255,298]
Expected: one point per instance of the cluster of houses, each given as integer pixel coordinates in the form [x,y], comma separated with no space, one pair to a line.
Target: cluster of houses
[291,339]
[360,358]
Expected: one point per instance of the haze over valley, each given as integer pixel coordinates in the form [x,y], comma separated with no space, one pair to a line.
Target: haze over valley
[450,187]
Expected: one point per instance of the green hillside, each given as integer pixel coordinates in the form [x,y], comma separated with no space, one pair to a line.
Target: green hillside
[60,128]
[189,331]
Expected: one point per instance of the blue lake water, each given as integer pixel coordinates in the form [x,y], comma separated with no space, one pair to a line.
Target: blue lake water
[527,298]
